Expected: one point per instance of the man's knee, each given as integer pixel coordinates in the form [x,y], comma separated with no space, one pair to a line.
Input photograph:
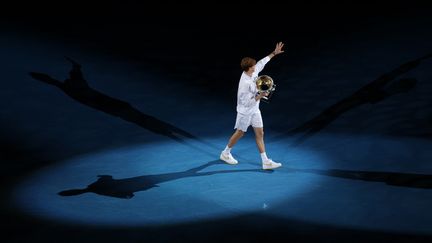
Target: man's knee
[259,133]
[240,133]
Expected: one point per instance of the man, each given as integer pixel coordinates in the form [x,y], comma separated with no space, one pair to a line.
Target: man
[248,112]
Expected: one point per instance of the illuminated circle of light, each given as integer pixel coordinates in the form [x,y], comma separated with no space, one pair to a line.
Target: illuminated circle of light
[169,190]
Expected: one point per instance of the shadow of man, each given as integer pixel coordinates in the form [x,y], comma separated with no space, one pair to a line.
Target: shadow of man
[125,188]
[372,93]
[77,88]
[390,178]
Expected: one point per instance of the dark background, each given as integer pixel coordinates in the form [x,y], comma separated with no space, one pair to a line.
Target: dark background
[200,45]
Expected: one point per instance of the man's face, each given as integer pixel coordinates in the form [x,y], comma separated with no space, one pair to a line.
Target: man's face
[252,69]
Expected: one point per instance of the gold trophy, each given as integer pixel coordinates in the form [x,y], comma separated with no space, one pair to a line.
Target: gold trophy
[264,83]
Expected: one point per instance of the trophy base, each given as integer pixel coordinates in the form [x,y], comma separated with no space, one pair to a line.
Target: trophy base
[267,98]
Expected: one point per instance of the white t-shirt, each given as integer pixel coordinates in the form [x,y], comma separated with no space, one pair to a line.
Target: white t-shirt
[246,103]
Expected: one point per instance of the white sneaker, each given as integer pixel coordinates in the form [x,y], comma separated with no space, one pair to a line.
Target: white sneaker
[228,158]
[270,164]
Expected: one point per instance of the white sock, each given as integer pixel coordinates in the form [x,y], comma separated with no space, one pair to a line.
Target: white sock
[227,150]
[263,156]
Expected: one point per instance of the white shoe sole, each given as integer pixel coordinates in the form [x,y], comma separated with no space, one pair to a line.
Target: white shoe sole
[227,161]
[270,167]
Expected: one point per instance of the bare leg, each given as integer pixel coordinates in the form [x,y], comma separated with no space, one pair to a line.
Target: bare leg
[267,164]
[235,137]
[226,153]
[259,138]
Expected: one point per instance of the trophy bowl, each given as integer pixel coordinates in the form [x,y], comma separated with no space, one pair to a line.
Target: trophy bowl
[264,83]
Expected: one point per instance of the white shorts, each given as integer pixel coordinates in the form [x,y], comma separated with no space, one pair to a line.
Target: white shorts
[244,121]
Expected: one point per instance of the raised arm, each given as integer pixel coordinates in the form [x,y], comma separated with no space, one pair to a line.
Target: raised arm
[278,50]
[261,63]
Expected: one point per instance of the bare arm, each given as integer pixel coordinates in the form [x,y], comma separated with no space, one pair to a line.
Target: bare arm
[261,63]
[278,50]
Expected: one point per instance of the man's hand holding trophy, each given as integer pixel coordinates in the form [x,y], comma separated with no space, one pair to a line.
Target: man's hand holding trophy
[265,84]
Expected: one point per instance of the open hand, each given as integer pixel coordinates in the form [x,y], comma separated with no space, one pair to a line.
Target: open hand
[278,48]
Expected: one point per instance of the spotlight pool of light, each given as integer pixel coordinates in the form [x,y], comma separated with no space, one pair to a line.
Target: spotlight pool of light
[163,183]
[372,182]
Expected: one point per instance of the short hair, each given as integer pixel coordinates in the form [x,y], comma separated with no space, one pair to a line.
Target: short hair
[246,63]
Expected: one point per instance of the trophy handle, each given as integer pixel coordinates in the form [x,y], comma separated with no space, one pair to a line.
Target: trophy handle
[267,98]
